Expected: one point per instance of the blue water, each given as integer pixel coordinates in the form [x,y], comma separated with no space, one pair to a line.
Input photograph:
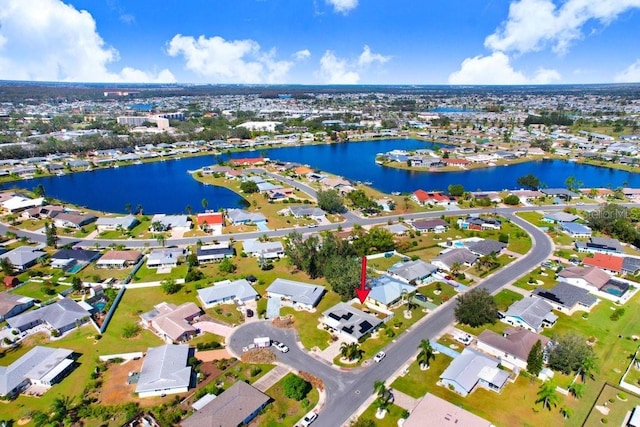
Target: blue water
[166,186]
[100,306]
[75,268]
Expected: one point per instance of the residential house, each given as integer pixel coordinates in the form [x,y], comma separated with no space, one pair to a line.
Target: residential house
[167,257]
[23,257]
[479,223]
[530,313]
[72,220]
[267,250]
[589,278]
[163,222]
[486,247]
[215,252]
[62,316]
[556,217]
[239,291]
[118,223]
[631,193]
[234,407]
[387,292]
[301,295]
[424,198]
[19,203]
[442,413]
[397,229]
[211,222]
[430,225]
[559,193]
[472,368]
[41,366]
[41,212]
[631,265]
[526,196]
[512,347]
[460,256]
[603,245]
[575,229]
[307,211]
[13,304]
[417,271]
[240,216]
[567,298]
[67,259]
[172,323]
[119,259]
[164,371]
[349,323]
[248,161]
[461,163]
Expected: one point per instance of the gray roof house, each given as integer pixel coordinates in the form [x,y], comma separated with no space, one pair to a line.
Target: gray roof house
[561,193]
[268,250]
[567,298]
[462,256]
[512,347]
[167,257]
[398,229]
[164,371]
[236,406]
[308,211]
[559,217]
[238,291]
[387,291]
[41,365]
[63,315]
[23,257]
[13,304]
[472,368]
[215,252]
[304,295]
[72,219]
[530,313]
[240,216]
[417,271]
[348,322]
[124,222]
[603,245]
[67,258]
[486,246]
[171,222]
[436,224]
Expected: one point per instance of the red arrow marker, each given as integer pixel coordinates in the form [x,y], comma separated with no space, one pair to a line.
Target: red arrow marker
[363,292]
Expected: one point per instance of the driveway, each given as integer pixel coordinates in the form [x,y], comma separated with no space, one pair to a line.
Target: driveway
[214,328]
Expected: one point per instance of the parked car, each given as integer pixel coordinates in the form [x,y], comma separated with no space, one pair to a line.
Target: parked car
[308,419]
[280,346]
[463,338]
[420,297]
[379,356]
[448,278]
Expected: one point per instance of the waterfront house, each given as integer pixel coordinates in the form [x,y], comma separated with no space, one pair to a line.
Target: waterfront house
[118,223]
[472,369]
[530,313]
[567,298]
[215,252]
[234,407]
[248,161]
[424,198]
[349,323]
[512,347]
[41,212]
[118,259]
[240,216]
[13,304]
[41,366]
[559,193]
[162,222]
[417,271]
[298,294]
[164,371]
[172,323]
[62,316]
[239,291]
[211,222]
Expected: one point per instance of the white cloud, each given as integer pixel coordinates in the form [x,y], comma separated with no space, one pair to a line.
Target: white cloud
[367,57]
[303,54]
[335,70]
[534,24]
[631,74]
[127,18]
[233,61]
[343,6]
[50,40]
[496,69]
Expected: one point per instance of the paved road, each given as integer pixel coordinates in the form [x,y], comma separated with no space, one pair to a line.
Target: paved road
[347,390]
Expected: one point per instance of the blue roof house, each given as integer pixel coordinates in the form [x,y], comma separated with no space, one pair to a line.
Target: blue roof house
[387,292]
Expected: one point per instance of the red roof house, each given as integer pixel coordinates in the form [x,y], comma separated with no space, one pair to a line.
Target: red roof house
[247,161]
[605,262]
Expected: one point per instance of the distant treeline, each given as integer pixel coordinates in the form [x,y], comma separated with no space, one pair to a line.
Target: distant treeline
[548,119]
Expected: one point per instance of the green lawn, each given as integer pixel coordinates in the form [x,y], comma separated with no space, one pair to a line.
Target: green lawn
[91,273]
[226,313]
[394,413]
[306,323]
[284,411]
[36,290]
[505,298]
[146,274]
[534,218]
[431,291]
[383,263]
[618,408]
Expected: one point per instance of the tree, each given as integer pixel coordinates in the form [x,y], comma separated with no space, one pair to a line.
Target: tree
[588,366]
[295,387]
[51,234]
[475,308]
[426,354]
[157,226]
[139,209]
[330,201]
[343,275]
[566,412]
[39,190]
[226,266]
[249,187]
[351,351]
[6,266]
[529,181]
[456,190]
[170,286]
[127,207]
[161,239]
[204,203]
[547,395]
[76,283]
[511,200]
[576,390]
[535,359]
[572,183]
[569,353]
[188,209]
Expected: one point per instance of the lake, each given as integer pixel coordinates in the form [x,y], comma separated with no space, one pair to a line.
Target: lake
[167,187]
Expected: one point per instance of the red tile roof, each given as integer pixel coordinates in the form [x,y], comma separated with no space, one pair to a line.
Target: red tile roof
[247,161]
[604,261]
[210,218]
[456,161]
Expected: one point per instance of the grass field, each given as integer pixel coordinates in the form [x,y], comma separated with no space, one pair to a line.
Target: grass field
[394,413]
[284,411]
[505,298]
[146,274]
[306,323]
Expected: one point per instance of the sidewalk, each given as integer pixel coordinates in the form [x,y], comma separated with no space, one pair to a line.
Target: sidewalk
[271,377]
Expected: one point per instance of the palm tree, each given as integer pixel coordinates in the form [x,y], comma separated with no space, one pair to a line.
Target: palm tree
[356,351]
[380,389]
[6,266]
[577,390]
[205,204]
[188,209]
[588,367]
[345,350]
[139,209]
[455,268]
[426,354]
[127,207]
[547,395]
[566,412]
[62,407]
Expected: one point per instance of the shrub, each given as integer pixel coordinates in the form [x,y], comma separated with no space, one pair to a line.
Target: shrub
[130,330]
[295,387]
[255,370]
[617,314]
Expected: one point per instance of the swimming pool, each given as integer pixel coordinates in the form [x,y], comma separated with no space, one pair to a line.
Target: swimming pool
[458,244]
[100,305]
[75,268]
[616,288]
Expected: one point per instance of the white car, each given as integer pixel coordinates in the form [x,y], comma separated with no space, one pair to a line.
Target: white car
[282,347]
[308,419]
[379,356]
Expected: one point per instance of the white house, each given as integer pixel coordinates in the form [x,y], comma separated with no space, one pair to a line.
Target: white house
[512,348]
[298,294]
[164,371]
[239,291]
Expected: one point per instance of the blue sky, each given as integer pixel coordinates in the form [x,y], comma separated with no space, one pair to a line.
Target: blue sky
[321,41]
